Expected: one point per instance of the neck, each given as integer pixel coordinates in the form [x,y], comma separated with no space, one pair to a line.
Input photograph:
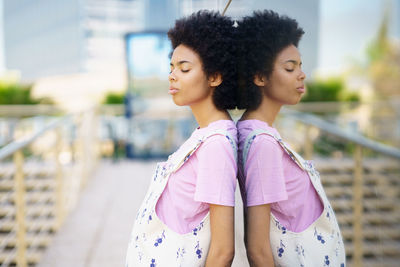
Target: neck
[205,113]
[267,111]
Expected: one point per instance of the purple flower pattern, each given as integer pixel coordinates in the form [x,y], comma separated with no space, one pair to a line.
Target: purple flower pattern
[159,239]
[150,250]
[198,250]
[325,230]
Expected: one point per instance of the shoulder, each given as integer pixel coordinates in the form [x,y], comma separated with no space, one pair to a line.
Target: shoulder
[216,154]
[217,141]
[216,145]
[264,144]
[265,140]
[264,154]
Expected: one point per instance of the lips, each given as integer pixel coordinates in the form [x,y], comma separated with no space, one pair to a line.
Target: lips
[172,91]
[301,89]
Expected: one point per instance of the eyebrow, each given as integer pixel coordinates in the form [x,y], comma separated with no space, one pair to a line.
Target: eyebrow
[180,62]
[293,61]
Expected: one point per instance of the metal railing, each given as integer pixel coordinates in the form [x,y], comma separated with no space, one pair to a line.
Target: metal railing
[378,120]
[71,155]
[29,110]
[41,176]
[361,144]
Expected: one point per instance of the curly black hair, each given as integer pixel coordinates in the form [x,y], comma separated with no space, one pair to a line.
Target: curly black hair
[211,36]
[261,37]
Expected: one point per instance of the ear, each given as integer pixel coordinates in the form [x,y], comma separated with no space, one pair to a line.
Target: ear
[214,79]
[260,80]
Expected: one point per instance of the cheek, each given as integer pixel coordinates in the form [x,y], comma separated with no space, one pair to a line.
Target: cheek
[198,84]
[194,88]
[284,79]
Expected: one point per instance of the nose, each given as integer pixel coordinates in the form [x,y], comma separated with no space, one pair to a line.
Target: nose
[171,76]
[302,75]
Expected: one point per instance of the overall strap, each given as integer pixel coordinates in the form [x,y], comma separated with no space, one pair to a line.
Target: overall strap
[200,141]
[250,138]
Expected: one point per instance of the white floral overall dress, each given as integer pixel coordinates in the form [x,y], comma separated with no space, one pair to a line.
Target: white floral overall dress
[321,243]
[155,244]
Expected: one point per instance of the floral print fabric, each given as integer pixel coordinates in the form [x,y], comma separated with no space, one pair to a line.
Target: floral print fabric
[321,243]
[152,242]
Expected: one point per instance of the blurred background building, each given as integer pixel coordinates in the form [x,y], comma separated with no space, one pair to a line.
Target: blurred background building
[44,39]
[61,39]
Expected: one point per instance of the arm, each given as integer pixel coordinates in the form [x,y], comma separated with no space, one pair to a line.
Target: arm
[245,226]
[265,184]
[258,245]
[222,246]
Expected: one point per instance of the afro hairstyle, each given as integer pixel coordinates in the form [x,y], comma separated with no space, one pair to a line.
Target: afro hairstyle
[261,37]
[211,36]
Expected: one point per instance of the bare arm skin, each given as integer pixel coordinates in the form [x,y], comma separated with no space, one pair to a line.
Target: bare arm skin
[222,247]
[257,240]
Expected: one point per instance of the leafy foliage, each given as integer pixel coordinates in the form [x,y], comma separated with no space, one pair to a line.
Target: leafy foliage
[114,98]
[383,66]
[331,89]
[17,94]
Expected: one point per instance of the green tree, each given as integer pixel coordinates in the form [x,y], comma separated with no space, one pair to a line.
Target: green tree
[383,62]
[331,89]
[14,94]
[114,98]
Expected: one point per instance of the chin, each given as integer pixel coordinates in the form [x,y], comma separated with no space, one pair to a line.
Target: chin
[296,101]
[177,102]
[292,103]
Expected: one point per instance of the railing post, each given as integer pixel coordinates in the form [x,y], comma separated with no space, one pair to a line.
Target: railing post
[308,144]
[59,181]
[95,144]
[170,131]
[358,208]
[20,209]
[80,150]
[84,131]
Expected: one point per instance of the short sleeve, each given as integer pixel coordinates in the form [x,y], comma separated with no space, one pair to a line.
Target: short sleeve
[216,172]
[264,171]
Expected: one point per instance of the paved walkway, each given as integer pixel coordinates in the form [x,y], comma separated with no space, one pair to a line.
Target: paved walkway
[97,232]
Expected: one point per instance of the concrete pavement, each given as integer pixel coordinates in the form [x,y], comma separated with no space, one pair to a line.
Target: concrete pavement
[97,232]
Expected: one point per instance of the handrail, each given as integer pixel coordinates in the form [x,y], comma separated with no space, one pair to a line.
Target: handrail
[357,196]
[77,141]
[29,110]
[331,128]
[11,148]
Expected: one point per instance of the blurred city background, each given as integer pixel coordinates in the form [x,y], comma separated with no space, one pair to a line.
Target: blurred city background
[85,114]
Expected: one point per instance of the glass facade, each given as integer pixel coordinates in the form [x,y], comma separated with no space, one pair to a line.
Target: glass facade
[56,37]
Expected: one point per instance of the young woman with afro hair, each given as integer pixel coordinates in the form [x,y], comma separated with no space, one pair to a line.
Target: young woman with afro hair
[187,216]
[288,219]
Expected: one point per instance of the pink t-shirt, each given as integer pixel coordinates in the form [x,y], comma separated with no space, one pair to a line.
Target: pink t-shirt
[270,176]
[208,176]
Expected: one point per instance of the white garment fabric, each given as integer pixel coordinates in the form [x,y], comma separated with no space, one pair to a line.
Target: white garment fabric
[155,244]
[321,244]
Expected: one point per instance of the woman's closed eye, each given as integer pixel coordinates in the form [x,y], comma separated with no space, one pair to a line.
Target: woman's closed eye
[182,70]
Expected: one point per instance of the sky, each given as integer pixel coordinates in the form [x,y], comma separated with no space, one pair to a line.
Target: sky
[347,26]
[2,65]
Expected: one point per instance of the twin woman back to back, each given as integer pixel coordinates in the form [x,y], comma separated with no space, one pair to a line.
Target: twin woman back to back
[187,215]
